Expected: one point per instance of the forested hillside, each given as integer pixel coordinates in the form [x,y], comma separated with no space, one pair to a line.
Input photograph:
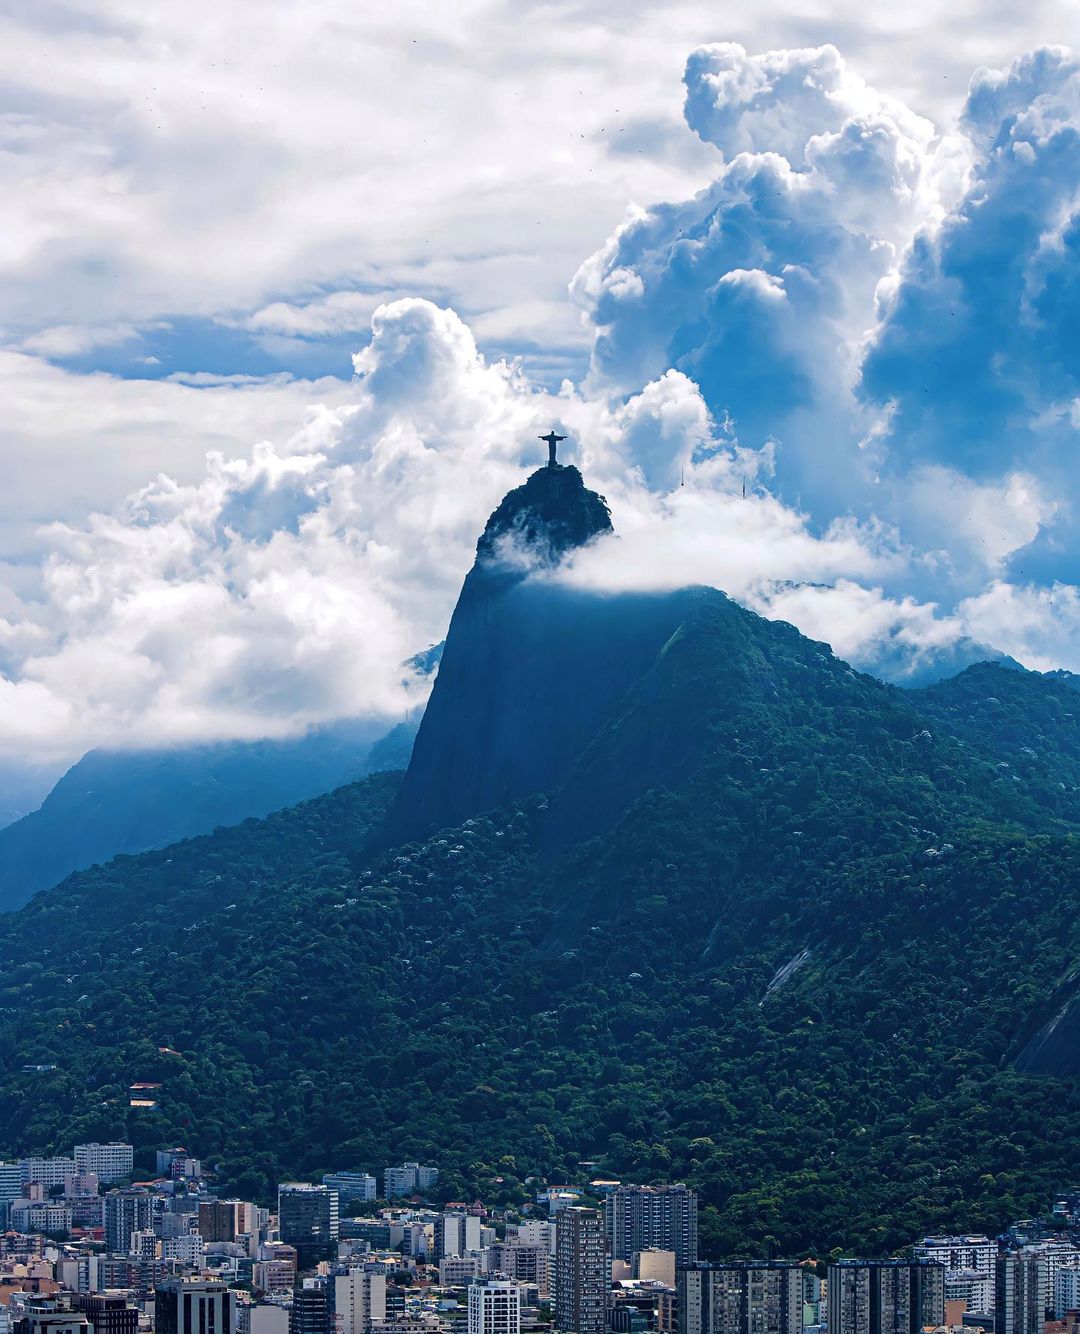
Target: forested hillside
[791,961]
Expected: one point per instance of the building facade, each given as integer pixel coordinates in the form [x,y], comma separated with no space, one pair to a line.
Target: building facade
[969,1268]
[47,1216]
[751,1297]
[456,1234]
[458,1271]
[359,1301]
[108,1162]
[582,1272]
[225,1220]
[48,1172]
[1066,1290]
[273,1275]
[534,1232]
[47,1315]
[194,1306]
[308,1220]
[108,1312]
[641,1218]
[654,1265]
[885,1296]
[352,1185]
[1051,1255]
[1018,1308]
[186,1250]
[494,1307]
[11,1184]
[408,1179]
[310,1312]
[127,1211]
[523,1264]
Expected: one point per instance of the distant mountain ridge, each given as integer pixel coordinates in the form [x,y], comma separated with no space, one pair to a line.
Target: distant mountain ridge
[114,802]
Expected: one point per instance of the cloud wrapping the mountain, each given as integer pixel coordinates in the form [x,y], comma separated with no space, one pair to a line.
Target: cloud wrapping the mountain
[288,587]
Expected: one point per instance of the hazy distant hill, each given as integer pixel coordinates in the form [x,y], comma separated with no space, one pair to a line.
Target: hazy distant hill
[127,801]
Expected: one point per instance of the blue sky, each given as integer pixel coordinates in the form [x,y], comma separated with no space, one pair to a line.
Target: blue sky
[829,252]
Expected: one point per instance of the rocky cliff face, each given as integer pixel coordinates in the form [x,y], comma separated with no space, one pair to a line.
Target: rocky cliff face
[530,668]
[537,523]
[1055,1048]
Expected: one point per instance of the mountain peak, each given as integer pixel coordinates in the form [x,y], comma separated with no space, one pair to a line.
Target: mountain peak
[530,668]
[551,513]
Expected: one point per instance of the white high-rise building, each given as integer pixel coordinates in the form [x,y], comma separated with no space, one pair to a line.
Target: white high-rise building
[1067,1288]
[494,1307]
[457,1234]
[188,1249]
[533,1232]
[408,1179]
[1051,1256]
[48,1172]
[11,1182]
[969,1267]
[359,1299]
[108,1162]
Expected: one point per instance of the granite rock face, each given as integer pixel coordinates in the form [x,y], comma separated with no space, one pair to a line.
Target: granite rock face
[538,522]
[531,668]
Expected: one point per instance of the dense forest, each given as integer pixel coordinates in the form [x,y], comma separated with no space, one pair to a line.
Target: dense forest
[780,932]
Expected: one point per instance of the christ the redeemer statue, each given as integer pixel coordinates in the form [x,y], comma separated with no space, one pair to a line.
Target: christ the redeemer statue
[551,440]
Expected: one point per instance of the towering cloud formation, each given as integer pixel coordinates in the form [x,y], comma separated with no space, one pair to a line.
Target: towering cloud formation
[286,587]
[840,383]
[977,357]
[890,307]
